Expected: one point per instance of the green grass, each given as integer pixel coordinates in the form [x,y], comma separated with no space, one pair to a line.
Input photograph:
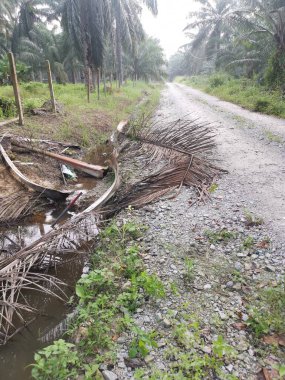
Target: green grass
[267,311]
[243,91]
[82,122]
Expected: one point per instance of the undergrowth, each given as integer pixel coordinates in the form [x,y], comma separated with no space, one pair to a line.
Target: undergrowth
[267,311]
[188,355]
[114,288]
[248,93]
[81,122]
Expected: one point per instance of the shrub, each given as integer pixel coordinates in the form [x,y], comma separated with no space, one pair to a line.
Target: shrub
[57,361]
[261,105]
[7,107]
[217,80]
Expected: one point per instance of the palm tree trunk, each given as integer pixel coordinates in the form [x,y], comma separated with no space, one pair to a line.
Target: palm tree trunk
[73,75]
[98,82]
[119,47]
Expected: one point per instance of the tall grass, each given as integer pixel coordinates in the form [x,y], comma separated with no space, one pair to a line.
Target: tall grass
[245,92]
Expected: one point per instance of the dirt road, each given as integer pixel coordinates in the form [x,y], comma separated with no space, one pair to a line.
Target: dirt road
[250,145]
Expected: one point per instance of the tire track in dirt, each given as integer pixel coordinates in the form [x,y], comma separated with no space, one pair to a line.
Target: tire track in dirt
[256,165]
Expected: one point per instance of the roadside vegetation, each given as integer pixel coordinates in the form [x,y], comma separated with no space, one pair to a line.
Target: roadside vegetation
[245,92]
[79,121]
[236,51]
[108,295]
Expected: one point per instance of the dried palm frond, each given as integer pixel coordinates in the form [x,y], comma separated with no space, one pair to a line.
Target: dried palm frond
[13,305]
[175,140]
[179,142]
[194,172]
[54,248]
[16,205]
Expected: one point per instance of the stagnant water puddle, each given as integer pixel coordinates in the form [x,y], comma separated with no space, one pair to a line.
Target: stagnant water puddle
[18,353]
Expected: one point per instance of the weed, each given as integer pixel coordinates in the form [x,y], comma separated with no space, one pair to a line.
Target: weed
[142,343]
[248,242]
[281,370]
[274,138]
[188,360]
[57,361]
[151,284]
[213,187]
[243,91]
[268,311]
[116,284]
[189,269]
[261,105]
[174,288]
[219,236]
[251,219]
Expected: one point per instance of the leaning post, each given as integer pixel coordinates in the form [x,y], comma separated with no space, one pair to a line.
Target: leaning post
[15,84]
[52,98]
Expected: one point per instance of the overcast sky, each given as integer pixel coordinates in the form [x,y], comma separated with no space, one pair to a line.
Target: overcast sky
[168,25]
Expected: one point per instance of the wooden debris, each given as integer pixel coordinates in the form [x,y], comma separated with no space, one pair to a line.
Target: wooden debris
[16,173]
[94,170]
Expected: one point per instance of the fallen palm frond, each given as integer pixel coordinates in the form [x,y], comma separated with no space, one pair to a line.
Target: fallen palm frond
[194,172]
[54,248]
[13,305]
[16,205]
[176,140]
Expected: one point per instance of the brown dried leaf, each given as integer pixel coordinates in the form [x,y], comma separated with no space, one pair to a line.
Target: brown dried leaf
[263,244]
[267,374]
[274,339]
[239,325]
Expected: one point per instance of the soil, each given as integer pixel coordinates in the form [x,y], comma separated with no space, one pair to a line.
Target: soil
[227,274]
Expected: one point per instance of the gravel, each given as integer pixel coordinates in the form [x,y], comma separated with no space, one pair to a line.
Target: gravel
[226,273]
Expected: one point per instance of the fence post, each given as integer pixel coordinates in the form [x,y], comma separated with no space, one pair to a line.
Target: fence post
[51,87]
[16,87]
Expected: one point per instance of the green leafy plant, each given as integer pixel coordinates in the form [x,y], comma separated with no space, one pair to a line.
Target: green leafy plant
[142,343]
[213,187]
[248,242]
[58,361]
[151,284]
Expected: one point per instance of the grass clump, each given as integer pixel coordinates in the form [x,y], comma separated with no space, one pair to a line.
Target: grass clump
[189,269]
[108,295]
[267,315]
[274,138]
[251,219]
[220,236]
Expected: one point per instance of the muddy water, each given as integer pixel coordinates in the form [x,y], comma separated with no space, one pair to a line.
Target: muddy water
[18,353]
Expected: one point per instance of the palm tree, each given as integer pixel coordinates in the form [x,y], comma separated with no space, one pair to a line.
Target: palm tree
[128,27]
[215,24]
[7,10]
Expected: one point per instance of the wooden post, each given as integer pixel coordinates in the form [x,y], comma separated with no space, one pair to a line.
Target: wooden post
[88,84]
[51,87]
[16,87]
